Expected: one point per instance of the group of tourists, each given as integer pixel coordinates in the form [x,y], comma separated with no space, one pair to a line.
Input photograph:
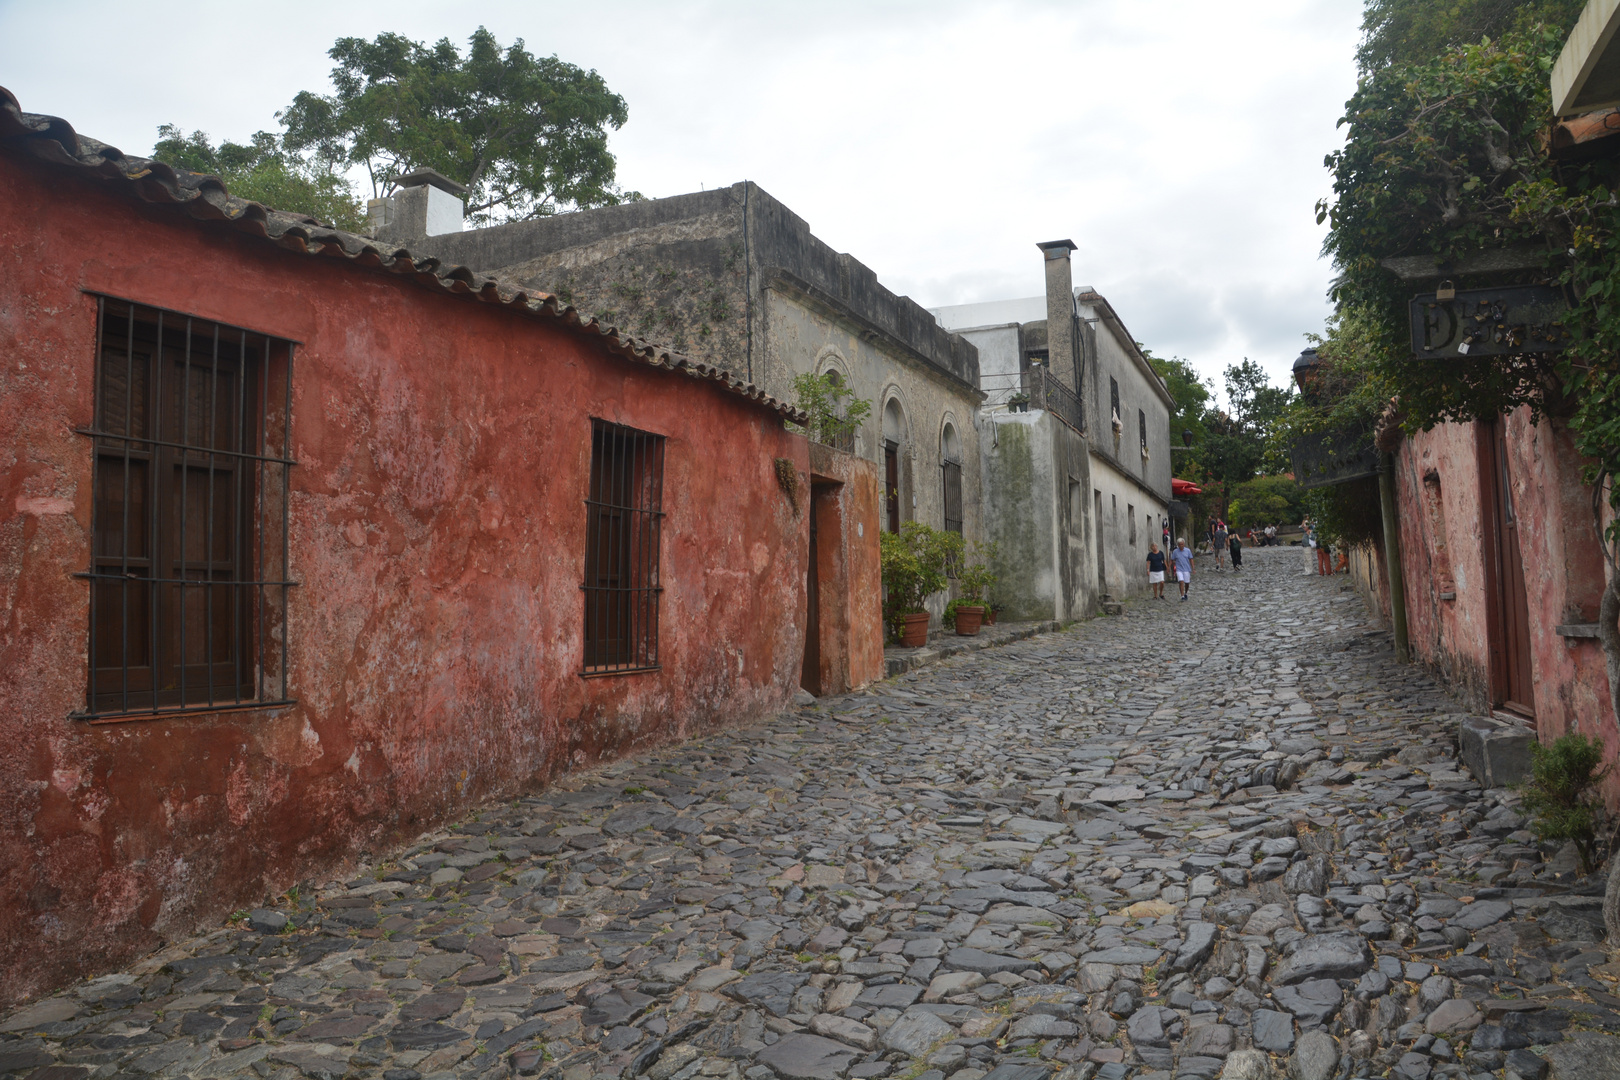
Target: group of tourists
[1324,554]
[1224,543]
[1180,559]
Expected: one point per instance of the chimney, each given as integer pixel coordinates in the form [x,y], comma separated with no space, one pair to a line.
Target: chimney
[1061,355]
[424,204]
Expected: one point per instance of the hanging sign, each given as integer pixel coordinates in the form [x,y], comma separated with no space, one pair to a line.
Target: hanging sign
[1489,322]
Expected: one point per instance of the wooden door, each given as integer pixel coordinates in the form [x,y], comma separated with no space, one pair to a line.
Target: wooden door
[1509,606]
[891,483]
[810,677]
[1102,564]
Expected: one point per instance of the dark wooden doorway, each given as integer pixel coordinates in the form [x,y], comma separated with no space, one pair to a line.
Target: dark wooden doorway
[810,676]
[1102,564]
[1509,606]
[891,483]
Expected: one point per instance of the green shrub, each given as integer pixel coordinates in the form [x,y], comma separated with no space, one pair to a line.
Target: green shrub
[914,564]
[833,411]
[1557,794]
[976,577]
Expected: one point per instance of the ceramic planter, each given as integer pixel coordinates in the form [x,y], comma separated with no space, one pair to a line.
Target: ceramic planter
[968,620]
[915,632]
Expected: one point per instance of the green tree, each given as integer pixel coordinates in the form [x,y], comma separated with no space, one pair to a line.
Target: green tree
[1187,390]
[262,172]
[1266,500]
[527,135]
[1402,31]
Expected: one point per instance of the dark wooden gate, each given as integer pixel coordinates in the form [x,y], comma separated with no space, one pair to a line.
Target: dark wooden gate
[810,677]
[1509,606]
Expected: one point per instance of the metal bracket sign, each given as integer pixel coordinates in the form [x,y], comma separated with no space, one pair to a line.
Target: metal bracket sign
[1325,458]
[1489,322]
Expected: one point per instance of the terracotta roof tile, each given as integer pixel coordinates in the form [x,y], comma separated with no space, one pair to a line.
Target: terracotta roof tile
[206,198]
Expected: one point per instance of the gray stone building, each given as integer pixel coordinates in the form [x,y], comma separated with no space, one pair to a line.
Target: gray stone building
[733,277]
[1075,444]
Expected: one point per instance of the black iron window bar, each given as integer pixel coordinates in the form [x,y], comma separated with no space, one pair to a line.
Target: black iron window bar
[953,496]
[191,480]
[624,521]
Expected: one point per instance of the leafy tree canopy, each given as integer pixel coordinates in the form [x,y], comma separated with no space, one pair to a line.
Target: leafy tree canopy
[1401,31]
[261,171]
[1229,446]
[527,135]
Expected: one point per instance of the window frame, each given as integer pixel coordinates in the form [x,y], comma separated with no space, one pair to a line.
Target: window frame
[257,474]
[631,508]
[950,470]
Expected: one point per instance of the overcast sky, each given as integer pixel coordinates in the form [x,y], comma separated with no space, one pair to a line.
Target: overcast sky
[1179,144]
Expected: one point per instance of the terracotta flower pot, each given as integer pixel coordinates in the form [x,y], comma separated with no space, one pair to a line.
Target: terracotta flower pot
[915,633]
[989,616]
[968,620]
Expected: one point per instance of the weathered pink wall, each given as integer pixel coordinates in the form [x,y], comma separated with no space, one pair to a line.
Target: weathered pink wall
[849,494]
[1442,545]
[437,530]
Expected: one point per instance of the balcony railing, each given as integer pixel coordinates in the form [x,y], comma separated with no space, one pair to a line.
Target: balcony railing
[1034,389]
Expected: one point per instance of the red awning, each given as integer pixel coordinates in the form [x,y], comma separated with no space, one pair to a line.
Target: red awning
[1185,487]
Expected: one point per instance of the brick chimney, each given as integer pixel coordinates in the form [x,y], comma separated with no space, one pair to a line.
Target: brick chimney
[424,204]
[1061,352]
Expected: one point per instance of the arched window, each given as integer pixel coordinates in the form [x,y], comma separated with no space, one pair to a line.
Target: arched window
[950,453]
[844,440]
[894,436]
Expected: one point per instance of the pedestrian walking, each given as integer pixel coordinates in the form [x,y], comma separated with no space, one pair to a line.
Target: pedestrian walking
[1219,545]
[1182,558]
[1155,561]
[1234,545]
[1324,558]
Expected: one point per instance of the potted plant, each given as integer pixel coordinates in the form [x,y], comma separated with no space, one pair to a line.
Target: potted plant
[991,612]
[914,561]
[975,578]
[1019,402]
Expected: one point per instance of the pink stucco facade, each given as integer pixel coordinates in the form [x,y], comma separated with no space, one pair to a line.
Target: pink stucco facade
[1446,486]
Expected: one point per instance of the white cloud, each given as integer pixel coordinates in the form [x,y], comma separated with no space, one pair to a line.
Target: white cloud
[1179,144]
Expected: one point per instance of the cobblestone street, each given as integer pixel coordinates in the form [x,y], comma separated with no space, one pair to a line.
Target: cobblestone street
[1226,837]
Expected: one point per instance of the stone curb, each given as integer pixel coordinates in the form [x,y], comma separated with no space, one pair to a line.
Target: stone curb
[899,661]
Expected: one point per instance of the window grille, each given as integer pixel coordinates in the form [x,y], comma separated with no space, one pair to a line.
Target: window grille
[624,519]
[1113,400]
[190,481]
[1141,427]
[953,497]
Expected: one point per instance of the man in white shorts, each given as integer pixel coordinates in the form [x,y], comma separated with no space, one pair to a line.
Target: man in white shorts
[1182,559]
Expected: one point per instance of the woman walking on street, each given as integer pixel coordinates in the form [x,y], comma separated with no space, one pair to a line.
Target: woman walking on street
[1155,561]
[1235,545]
[1218,544]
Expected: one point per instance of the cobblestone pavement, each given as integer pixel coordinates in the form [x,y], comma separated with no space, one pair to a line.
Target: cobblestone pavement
[1222,837]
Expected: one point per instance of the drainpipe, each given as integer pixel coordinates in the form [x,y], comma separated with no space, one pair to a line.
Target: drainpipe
[1392,555]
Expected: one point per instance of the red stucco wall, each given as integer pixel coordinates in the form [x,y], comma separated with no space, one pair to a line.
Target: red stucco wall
[437,530]
[1442,551]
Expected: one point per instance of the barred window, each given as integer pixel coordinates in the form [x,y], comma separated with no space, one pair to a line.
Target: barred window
[951,466]
[624,518]
[189,571]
